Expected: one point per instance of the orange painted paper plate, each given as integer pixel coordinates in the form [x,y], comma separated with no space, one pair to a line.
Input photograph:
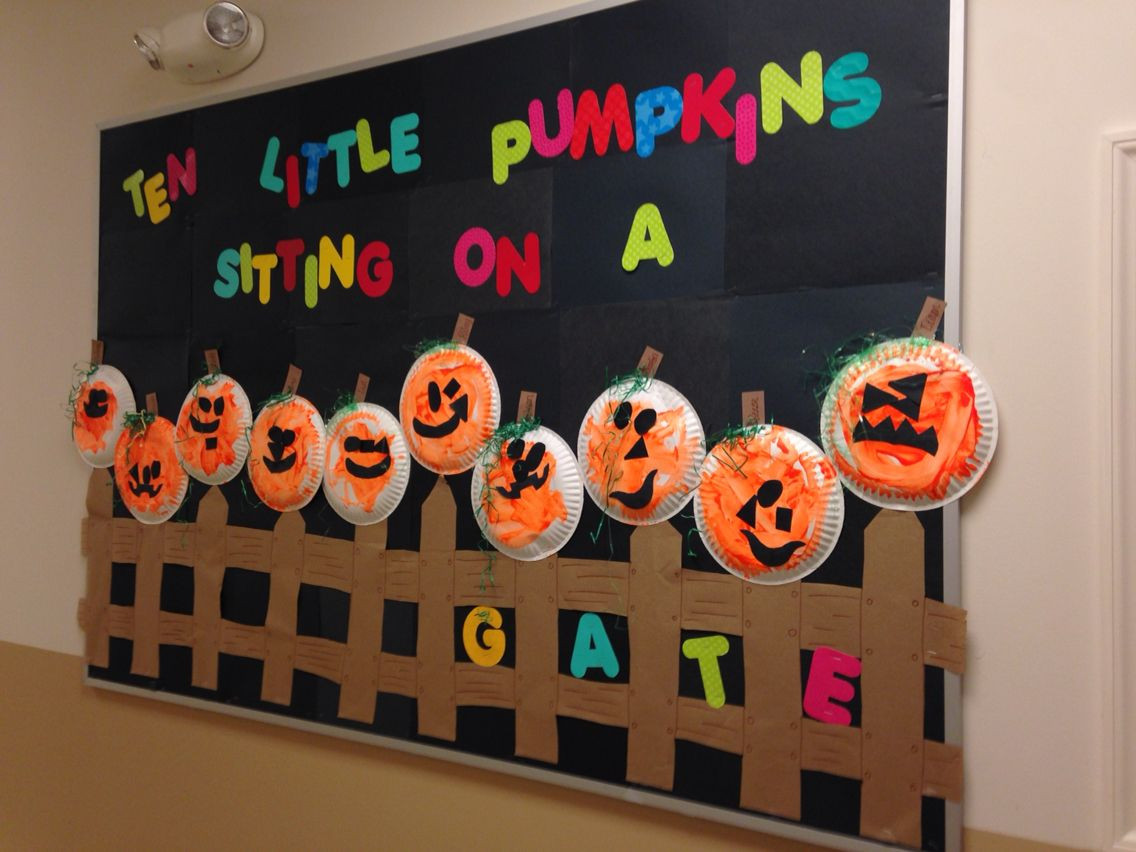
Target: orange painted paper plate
[640,447]
[150,480]
[910,424]
[527,493]
[769,507]
[367,465]
[101,401]
[449,407]
[286,453]
[213,429]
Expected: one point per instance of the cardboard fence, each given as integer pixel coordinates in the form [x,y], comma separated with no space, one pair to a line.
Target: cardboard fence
[889,624]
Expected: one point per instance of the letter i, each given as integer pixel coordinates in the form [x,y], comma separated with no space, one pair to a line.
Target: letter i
[745,130]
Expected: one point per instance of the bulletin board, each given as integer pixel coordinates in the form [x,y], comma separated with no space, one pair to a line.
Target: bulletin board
[750,188]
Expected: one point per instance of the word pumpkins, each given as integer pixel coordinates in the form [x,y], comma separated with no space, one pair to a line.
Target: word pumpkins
[640,447]
[286,452]
[367,465]
[910,424]
[526,493]
[769,507]
[449,407]
[212,429]
[101,401]
[150,480]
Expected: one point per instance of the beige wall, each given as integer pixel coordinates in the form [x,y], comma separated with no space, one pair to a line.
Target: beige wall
[1046,79]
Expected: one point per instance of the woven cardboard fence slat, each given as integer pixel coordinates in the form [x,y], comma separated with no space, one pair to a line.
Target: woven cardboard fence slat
[888,624]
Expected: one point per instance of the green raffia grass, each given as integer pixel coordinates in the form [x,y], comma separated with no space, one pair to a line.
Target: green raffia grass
[432,343]
[852,351]
[137,422]
[275,399]
[344,401]
[487,458]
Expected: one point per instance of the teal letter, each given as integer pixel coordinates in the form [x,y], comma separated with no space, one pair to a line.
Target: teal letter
[593,649]
[403,142]
[341,143]
[268,177]
[227,263]
[864,90]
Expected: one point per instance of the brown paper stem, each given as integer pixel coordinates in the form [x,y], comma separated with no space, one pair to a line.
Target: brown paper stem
[929,317]
[649,362]
[361,385]
[526,407]
[212,361]
[152,403]
[96,352]
[462,329]
[753,408]
[292,382]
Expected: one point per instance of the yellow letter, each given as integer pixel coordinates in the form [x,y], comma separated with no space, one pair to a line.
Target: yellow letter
[806,98]
[156,198]
[648,239]
[342,262]
[510,143]
[131,185]
[491,648]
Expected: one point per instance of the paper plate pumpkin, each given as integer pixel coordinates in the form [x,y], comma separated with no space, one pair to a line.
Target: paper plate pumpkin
[150,480]
[101,401]
[449,407]
[910,424]
[526,493]
[769,507]
[640,447]
[212,429]
[367,464]
[286,453]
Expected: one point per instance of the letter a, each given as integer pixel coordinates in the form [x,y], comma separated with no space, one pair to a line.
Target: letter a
[592,649]
[648,239]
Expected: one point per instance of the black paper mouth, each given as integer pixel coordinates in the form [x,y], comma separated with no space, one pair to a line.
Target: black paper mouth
[362,471]
[460,407]
[638,499]
[774,557]
[535,482]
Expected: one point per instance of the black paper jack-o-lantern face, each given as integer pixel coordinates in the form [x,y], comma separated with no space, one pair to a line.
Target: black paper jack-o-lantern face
[458,403]
[530,470]
[212,429]
[146,482]
[150,481]
[281,457]
[208,427]
[100,402]
[767,496]
[367,466]
[287,452]
[640,449]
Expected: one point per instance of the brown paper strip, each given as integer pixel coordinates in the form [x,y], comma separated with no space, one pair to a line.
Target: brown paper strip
[152,403]
[526,407]
[649,362]
[120,621]
[437,710]
[479,583]
[655,599]
[175,628]
[833,749]
[537,661]
[593,586]
[99,557]
[329,562]
[179,545]
[212,361]
[96,352]
[712,602]
[286,566]
[208,576]
[463,328]
[292,380]
[402,576]
[771,761]
[753,408]
[321,657]
[592,700]
[891,681]
[944,636]
[717,727]
[484,686]
[929,317]
[147,601]
[242,640]
[942,771]
[398,675]
[357,697]
[830,617]
[362,383]
[126,538]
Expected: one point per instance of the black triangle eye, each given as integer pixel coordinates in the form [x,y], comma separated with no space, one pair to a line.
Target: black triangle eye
[622,415]
[747,514]
[383,446]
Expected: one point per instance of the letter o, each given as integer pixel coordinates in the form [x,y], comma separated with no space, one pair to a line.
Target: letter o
[466,274]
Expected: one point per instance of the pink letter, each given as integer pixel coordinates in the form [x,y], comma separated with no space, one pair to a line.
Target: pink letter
[509,261]
[745,137]
[551,147]
[824,685]
[185,175]
[483,240]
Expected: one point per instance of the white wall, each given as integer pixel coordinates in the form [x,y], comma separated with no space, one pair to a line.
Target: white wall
[1045,80]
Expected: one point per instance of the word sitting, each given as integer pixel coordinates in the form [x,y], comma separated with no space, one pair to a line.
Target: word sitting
[660,110]
[149,194]
[400,157]
[484,642]
[240,269]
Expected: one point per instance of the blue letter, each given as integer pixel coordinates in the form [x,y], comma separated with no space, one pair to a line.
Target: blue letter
[314,151]
[864,90]
[657,111]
